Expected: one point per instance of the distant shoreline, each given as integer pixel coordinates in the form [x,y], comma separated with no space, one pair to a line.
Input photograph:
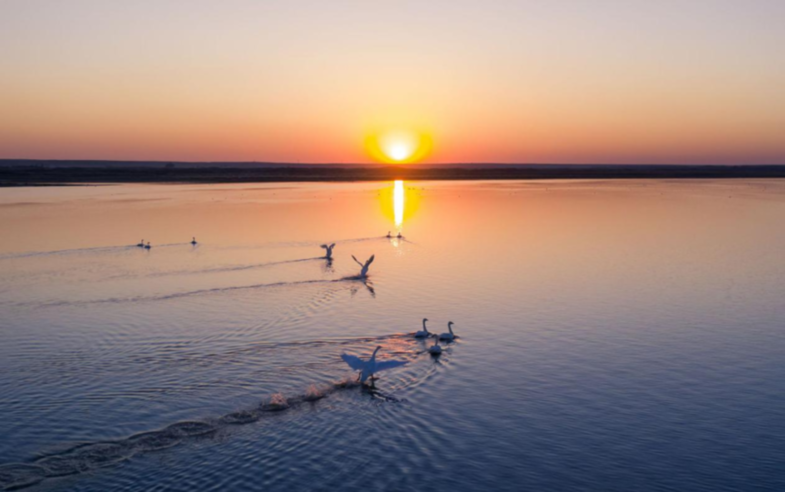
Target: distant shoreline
[15,173]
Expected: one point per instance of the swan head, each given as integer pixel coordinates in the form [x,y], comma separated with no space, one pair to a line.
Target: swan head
[377,349]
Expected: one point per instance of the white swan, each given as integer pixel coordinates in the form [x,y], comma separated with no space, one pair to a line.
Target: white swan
[364,268]
[147,246]
[328,250]
[368,367]
[435,349]
[424,333]
[193,241]
[141,244]
[448,336]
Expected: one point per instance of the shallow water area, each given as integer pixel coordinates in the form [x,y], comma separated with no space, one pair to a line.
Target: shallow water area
[614,335]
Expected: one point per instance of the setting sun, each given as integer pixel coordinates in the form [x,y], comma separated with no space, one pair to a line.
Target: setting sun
[398,147]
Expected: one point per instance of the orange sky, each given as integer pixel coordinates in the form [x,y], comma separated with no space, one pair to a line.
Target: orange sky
[505,81]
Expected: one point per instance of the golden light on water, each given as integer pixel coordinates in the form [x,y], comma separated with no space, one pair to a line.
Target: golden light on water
[398,146]
[398,202]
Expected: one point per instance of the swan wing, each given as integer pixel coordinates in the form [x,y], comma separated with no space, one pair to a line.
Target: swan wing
[355,363]
[323,246]
[370,260]
[389,364]
[332,245]
[358,261]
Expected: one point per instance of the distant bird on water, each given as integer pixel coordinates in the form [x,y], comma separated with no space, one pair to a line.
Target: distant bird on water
[388,234]
[364,268]
[448,336]
[193,241]
[328,250]
[368,367]
[141,244]
[424,333]
[147,246]
[399,235]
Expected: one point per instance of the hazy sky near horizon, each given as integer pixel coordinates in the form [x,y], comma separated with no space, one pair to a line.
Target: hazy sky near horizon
[700,81]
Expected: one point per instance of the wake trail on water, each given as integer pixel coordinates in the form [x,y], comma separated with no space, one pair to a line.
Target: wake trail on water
[63,252]
[235,268]
[88,457]
[178,295]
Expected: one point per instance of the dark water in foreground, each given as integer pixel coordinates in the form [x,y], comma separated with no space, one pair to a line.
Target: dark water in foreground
[613,336]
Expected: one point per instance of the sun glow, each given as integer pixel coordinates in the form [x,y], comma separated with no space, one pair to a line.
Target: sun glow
[398,147]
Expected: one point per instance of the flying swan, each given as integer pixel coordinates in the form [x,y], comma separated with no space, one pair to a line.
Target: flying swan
[368,367]
[328,250]
[364,268]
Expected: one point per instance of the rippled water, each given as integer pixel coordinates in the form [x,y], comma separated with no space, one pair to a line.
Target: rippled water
[613,336]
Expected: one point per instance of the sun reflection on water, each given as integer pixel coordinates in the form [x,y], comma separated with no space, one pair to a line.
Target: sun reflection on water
[398,201]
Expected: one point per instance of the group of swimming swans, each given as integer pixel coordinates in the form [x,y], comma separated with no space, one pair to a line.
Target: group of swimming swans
[368,367]
[147,246]
[435,349]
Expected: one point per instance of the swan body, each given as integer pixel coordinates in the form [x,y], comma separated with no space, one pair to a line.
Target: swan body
[147,246]
[388,234]
[141,244]
[364,267]
[328,250]
[435,349]
[368,367]
[399,235]
[193,241]
[448,336]
[424,333]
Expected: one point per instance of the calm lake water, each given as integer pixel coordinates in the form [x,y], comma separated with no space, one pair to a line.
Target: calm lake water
[623,335]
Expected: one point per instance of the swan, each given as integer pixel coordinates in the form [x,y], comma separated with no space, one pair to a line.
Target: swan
[388,234]
[141,244]
[368,367]
[193,241]
[424,333]
[364,268]
[448,336]
[328,250]
[435,349]
[399,235]
[147,246]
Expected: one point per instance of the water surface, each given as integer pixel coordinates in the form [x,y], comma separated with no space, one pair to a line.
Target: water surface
[623,335]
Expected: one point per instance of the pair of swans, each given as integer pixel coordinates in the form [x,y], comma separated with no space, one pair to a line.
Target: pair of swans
[389,236]
[424,333]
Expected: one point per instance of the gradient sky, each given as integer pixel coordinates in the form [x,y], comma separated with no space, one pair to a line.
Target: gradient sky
[692,81]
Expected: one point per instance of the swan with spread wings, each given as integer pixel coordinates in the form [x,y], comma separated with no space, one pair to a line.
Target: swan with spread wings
[368,367]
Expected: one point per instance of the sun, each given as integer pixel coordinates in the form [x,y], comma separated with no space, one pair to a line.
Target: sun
[398,151]
[398,146]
